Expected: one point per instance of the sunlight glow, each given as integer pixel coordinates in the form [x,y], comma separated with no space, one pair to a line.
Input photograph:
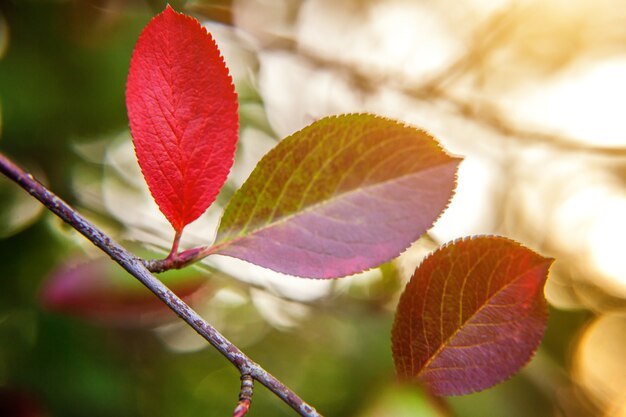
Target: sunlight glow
[598,363]
[468,211]
[391,38]
[586,104]
[606,244]
[412,37]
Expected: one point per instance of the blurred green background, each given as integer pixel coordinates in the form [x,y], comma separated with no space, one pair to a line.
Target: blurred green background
[63,67]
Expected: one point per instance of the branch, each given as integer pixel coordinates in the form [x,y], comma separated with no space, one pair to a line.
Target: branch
[134,266]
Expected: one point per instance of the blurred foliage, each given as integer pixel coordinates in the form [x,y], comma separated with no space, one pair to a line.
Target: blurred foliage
[62,77]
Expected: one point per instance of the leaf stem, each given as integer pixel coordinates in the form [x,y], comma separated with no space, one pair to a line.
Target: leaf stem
[245,396]
[174,259]
[174,251]
[135,266]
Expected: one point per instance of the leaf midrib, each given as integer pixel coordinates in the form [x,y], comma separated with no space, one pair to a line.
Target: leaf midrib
[219,245]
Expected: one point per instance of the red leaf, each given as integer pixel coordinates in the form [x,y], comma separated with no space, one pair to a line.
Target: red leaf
[100,291]
[471,316]
[183,117]
[342,195]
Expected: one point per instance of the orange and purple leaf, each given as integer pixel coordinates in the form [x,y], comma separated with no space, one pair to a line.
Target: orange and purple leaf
[182,109]
[472,315]
[343,195]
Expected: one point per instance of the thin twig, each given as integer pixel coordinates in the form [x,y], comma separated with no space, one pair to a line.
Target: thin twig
[245,396]
[177,261]
[136,268]
[182,259]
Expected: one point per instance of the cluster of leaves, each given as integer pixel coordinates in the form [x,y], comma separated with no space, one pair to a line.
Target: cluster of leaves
[343,195]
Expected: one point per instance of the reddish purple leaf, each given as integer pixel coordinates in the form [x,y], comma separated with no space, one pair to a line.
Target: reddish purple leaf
[183,117]
[100,291]
[345,194]
[471,316]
